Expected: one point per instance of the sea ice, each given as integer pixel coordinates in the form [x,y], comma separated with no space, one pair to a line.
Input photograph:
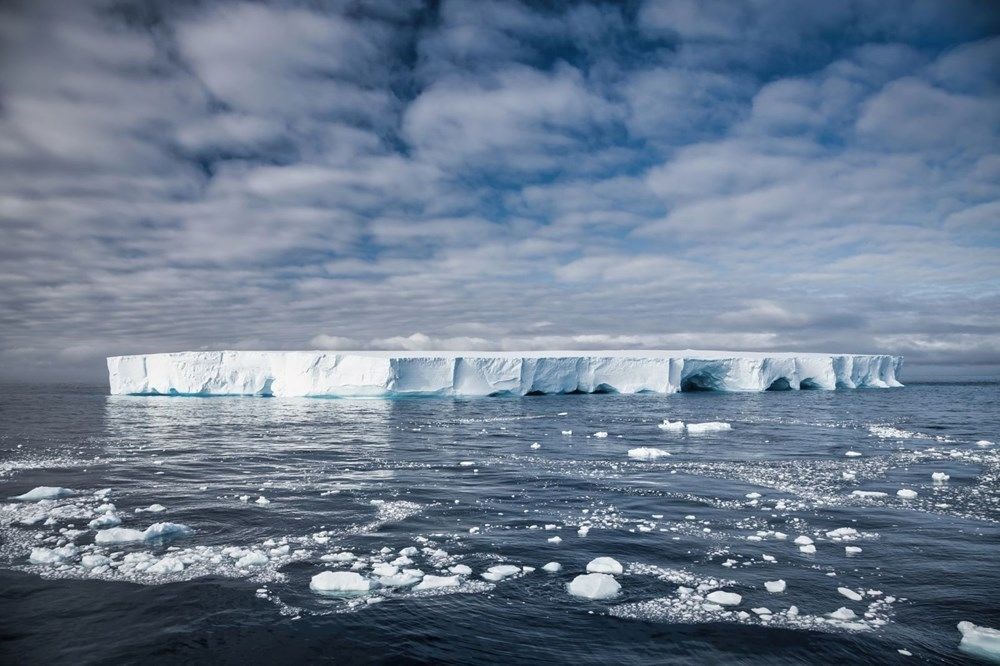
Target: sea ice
[849,593]
[536,445]
[853,454]
[600,434]
[808,549]
[383,569]
[802,540]
[166,565]
[607,565]
[119,535]
[461,569]
[498,572]
[906,493]
[843,534]
[552,567]
[671,425]
[775,585]
[939,477]
[398,580]
[165,530]
[152,508]
[868,493]
[434,582]
[710,426]
[645,453]
[340,582]
[254,558]
[91,561]
[980,640]
[852,550]
[44,493]
[594,586]
[41,555]
[107,520]
[724,598]
[842,613]
[554,539]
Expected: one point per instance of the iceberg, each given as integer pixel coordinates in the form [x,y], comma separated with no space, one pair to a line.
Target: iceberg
[386,374]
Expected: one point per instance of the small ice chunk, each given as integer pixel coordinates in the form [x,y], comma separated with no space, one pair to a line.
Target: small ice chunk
[345,556]
[107,520]
[761,611]
[646,453]
[152,508]
[868,493]
[583,531]
[752,495]
[842,613]
[939,477]
[409,551]
[802,540]
[466,463]
[808,549]
[554,539]
[498,572]
[709,426]
[254,558]
[536,445]
[853,454]
[399,580]
[594,586]
[600,434]
[724,598]
[980,640]
[775,585]
[166,565]
[94,561]
[607,565]
[119,535]
[44,493]
[41,555]
[852,550]
[164,530]
[670,425]
[567,432]
[263,501]
[849,476]
[906,493]
[434,582]
[843,533]
[849,593]
[461,569]
[552,567]
[382,569]
[984,442]
[340,582]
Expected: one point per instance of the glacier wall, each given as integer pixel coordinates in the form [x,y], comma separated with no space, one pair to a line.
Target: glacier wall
[380,374]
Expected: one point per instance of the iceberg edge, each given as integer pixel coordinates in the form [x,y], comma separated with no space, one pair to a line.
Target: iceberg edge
[388,374]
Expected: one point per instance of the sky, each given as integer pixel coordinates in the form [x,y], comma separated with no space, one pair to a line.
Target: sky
[746,175]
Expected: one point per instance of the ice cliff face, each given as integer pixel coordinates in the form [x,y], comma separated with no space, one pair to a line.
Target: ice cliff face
[371,374]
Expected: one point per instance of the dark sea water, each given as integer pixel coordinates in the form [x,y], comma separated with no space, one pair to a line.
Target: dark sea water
[374,477]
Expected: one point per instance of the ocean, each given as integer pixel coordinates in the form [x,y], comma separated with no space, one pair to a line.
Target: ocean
[259,495]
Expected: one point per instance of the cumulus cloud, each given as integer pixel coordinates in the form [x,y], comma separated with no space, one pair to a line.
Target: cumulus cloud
[499,175]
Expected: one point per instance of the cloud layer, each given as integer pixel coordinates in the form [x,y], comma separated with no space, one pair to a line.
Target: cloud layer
[499,175]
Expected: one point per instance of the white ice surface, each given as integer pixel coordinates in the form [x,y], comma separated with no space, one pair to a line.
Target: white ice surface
[340,582]
[982,641]
[370,373]
[594,586]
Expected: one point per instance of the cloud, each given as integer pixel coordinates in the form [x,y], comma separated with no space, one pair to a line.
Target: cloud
[498,175]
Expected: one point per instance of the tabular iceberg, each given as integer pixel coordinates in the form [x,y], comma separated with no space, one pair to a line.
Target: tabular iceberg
[379,374]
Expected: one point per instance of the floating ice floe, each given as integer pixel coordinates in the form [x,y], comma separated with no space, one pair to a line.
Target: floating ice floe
[906,493]
[869,493]
[608,565]
[254,558]
[646,453]
[567,432]
[399,580]
[853,454]
[552,567]
[808,549]
[842,613]
[775,586]
[843,534]
[554,539]
[673,426]
[982,641]
[802,540]
[849,593]
[461,570]
[152,508]
[165,565]
[128,535]
[536,445]
[709,426]
[263,501]
[600,434]
[939,477]
[594,586]
[724,598]
[340,582]
[852,550]
[44,493]
[106,520]
[984,442]
[436,582]
[498,572]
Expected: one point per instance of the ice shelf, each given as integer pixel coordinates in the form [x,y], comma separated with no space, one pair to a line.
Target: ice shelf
[384,374]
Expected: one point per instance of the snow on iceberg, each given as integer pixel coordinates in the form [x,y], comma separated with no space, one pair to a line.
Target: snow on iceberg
[372,374]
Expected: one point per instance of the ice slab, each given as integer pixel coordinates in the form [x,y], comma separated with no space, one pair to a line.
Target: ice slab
[981,641]
[594,586]
[372,373]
